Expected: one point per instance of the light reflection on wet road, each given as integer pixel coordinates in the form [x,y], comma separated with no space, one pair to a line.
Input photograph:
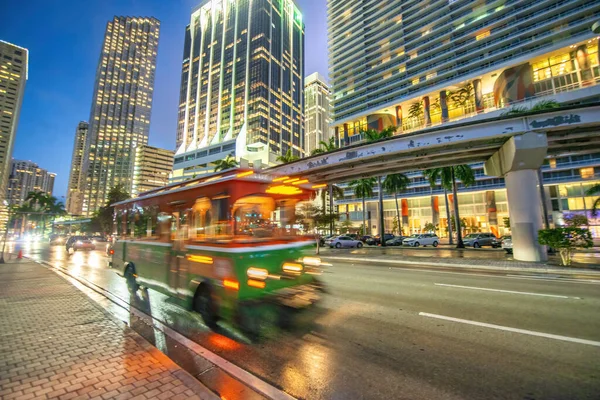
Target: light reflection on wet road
[366,339]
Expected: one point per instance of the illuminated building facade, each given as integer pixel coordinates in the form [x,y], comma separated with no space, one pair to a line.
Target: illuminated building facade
[26,177]
[316,112]
[242,85]
[418,64]
[122,102]
[75,189]
[13,75]
[152,168]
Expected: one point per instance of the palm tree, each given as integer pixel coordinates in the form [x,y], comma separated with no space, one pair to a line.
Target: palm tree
[448,177]
[594,190]
[395,183]
[363,188]
[335,192]
[445,176]
[225,164]
[288,157]
[372,135]
[325,147]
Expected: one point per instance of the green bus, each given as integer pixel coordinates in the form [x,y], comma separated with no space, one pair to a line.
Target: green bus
[224,245]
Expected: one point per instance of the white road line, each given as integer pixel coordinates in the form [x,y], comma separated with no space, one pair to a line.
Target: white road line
[507,291]
[554,279]
[515,330]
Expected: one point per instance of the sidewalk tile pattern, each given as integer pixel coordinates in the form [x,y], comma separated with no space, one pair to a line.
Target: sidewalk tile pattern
[55,344]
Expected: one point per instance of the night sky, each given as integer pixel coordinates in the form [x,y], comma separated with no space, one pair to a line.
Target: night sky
[64,38]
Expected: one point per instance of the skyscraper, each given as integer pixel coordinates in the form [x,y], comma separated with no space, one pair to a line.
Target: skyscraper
[152,168]
[242,84]
[76,184]
[316,112]
[13,75]
[26,177]
[121,105]
[418,64]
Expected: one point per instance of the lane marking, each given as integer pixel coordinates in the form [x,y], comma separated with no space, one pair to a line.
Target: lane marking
[507,291]
[515,330]
[254,382]
[555,278]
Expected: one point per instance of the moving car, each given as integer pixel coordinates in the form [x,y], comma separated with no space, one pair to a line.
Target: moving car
[345,241]
[58,239]
[79,243]
[396,241]
[478,240]
[422,239]
[507,244]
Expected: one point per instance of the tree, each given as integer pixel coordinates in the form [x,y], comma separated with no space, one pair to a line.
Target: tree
[416,110]
[545,105]
[346,225]
[335,192]
[448,177]
[445,176]
[462,96]
[396,226]
[429,227]
[288,157]
[395,183]
[507,222]
[594,190]
[566,240]
[105,215]
[576,220]
[225,164]
[363,188]
[325,147]
[371,136]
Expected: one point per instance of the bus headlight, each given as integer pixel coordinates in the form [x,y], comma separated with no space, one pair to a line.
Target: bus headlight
[292,268]
[312,261]
[257,273]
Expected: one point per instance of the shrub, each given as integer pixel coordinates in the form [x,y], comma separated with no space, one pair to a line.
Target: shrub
[566,240]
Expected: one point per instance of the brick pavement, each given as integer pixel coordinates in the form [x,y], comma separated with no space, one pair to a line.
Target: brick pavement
[56,344]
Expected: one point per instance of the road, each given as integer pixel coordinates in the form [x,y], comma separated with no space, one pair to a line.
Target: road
[369,338]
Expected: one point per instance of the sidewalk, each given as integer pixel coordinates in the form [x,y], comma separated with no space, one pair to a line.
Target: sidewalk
[56,344]
[427,258]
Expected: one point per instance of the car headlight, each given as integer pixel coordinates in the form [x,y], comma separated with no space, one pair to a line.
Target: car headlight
[312,261]
[257,273]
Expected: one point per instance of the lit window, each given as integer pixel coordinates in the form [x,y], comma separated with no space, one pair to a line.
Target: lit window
[587,173]
[431,75]
[413,55]
[552,163]
[415,81]
[482,35]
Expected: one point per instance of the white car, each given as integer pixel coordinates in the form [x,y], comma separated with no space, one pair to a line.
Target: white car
[507,244]
[422,239]
[343,241]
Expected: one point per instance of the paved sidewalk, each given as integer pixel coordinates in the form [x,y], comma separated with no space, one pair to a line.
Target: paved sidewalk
[56,343]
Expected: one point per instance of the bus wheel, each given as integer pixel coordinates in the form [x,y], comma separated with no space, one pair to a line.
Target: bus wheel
[205,306]
[132,284]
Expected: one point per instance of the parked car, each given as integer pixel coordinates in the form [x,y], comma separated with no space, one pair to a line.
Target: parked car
[353,236]
[478,240]
[324,239]
[375,240]
[364,238]
[507,244]
[421,239]
[79,243]
[98,239]
[345,241]
[396,241]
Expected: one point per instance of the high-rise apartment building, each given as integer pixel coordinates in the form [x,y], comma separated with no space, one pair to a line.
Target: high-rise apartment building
[13,75]
[152,168]
[316,112]
[242,84]
[76,179]
[121,105]
[419,64]
[26,177]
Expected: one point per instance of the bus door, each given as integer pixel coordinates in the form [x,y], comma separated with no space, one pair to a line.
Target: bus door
[178,268]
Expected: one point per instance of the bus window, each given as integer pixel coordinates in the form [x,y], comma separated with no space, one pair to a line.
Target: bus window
[200,218]
[220,226]
[164,226]
[252,216]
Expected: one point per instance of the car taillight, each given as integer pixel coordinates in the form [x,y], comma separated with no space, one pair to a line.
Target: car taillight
[112,251]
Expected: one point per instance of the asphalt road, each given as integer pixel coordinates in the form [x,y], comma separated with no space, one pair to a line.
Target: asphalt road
[368,338]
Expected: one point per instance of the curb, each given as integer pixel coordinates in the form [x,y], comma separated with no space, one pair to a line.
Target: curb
[466,266]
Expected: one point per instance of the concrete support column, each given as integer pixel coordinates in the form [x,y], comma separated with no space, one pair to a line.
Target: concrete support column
[426,111]
[479,106]
[518,161]
[524,207]
[346,138]
[444,106]
[398,119]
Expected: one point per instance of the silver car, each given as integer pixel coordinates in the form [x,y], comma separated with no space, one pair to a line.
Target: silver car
[507,244]
[478,240]
[422,239]
[344,241]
